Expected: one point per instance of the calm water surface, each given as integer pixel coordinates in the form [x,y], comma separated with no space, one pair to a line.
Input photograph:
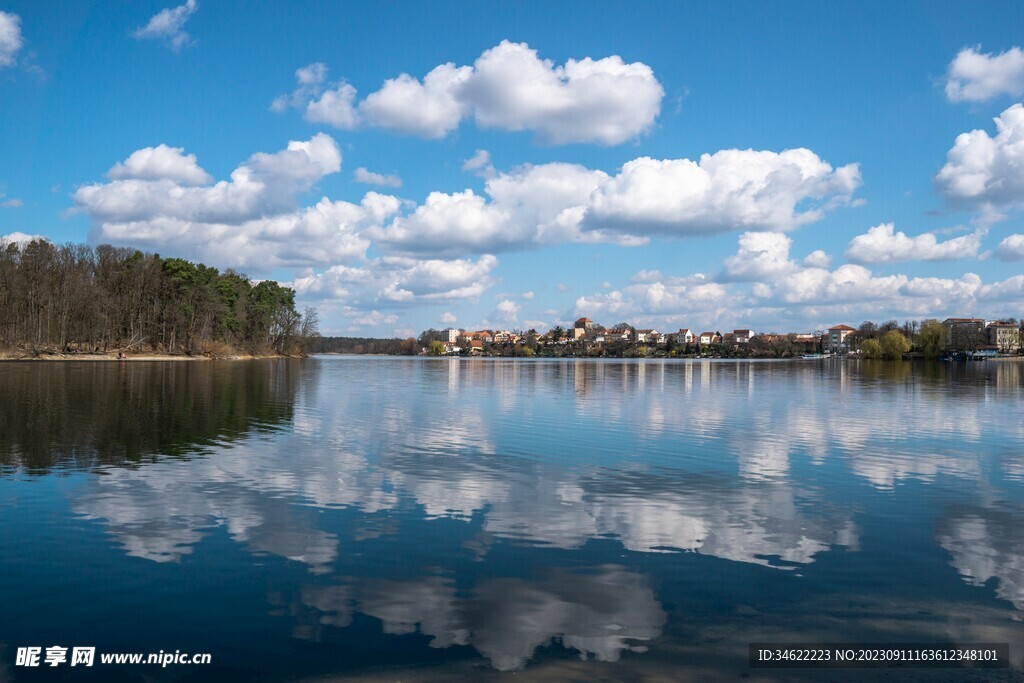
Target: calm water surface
[445,519]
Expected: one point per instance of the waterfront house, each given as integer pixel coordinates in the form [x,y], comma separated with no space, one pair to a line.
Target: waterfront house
[710,338]
[742,336]
[584,324]
[835,340]
[684,336]
[964,334]
[644,335]
[1004,336]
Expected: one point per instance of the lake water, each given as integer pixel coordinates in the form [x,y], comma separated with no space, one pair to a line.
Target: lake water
[443,519]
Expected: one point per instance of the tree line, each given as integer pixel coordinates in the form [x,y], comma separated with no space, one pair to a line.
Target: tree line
[365,345]
[77,298]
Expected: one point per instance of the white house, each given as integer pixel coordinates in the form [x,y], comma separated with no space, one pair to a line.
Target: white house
[645,335]
[743,336]
[710,338]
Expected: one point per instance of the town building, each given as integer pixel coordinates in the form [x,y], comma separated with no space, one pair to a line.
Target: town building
[835,340]
[743,336]
[1004,336]
[710,338]
[644,335]
[964,334]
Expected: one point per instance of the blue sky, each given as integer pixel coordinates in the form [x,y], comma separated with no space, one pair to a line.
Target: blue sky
[154,124]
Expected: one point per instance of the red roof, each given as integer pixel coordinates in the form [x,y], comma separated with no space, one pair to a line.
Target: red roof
[843,327]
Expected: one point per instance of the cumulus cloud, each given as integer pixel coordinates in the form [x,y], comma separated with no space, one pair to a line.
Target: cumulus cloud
[480,163]
[1011,248]
[448,318]
[19,238]
[854,292]
[559,202]
[370,178]
[662,302]
[721,192]
[975,76]
[530,205]
[161,162]
[509,87]
[760,255]
[881,244]
[817,259]
[168,26]
[430,109]
[784,293]
[604,100]
[506,312]
[160,198]
[10,38]
[984,172]
[394,281]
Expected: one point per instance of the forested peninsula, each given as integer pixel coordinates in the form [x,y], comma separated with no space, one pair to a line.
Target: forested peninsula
[73,300]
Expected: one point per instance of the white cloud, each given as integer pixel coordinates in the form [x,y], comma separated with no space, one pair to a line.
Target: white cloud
[658,303]
[333,104]
[975,76]
[527,295]
[397,281]
[480,163]
[530,205]
[785,295]
[12,203]
[729,190]
[448,318]
[168,25]
[10,38]
[374,318]
[430,109]
[760,255]
[370,178]
[161,162]
[817,259]
[559,202]
[1011,248]
[984,172]
[20,238]
[509,87]
[266,184]
[160,198]
[605,101]
[881,244]
[506,312]
[335,107]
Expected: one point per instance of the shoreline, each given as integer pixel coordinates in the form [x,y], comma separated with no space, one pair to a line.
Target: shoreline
[112,357]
